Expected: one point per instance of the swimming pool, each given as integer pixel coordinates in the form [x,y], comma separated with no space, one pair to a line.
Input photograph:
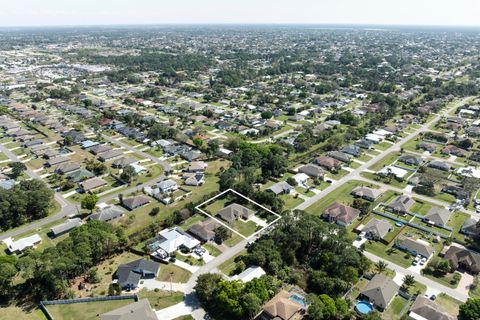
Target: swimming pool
[298,299]
[363,307]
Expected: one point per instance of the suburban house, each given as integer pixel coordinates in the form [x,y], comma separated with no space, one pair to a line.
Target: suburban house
[195,179]
[410,160]
[110,155]
[463,259]
[380,291]
[80,175]
[341,214]
[367,193]
[376,228]
[135,202]
[204,230]
[328,162]
[167,186]
[454,150]
[17,246]
[352,150]
[440,165]
[67,167]
[92,184]
[364,144]
[66,226]
[75,136]
[140,309]
[437,216]
[430,147]
[312,170]
[301,179]
[281,187]
[280,307]
[424,308]
[392,170]
[107,214]
[414,247]
[129,275]
[458,191]
[235,211]
[56,160]
[249,274]
[341,156]
[197,166]
[400,205]
[99,148]
[471,228]
[124,161]
[170,240]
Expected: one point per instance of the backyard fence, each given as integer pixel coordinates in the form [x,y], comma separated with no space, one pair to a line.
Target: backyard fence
[43,304]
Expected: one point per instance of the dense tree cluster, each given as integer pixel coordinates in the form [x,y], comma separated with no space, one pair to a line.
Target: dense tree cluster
[320,257]
[225,299]
[26,201]
[47,273]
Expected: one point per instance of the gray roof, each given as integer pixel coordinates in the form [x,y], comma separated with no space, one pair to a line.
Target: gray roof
[380,290]
[312,170]
[378,227]
[415,246]
[107,213]
[438,215]
[110,154]
[280,187]
[234,211]
[124,161]
[66,226]
[134,311]
[401,203]
[365,192]
[92,183]
[136,201]
[428,309]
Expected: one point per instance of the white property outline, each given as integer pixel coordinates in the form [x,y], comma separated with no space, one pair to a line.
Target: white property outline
[230,228]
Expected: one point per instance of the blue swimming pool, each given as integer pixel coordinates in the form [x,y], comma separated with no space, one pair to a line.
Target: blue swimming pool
[298,299]
[363,307]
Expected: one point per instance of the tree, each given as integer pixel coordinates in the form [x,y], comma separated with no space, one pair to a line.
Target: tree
[470,310]
[89,202]
[221,234]
[381,266]
[291,181]
[251,304]
[408,281]
[128,172]
[266,114]
[17,169]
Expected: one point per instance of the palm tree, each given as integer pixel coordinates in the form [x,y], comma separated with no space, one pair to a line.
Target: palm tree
[380,266]
[408,281]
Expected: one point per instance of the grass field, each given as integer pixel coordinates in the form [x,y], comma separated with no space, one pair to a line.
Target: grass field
[341,195]
[161,299]
[17,313]
[395,308]
[85,311]
[177,274]
[450,304]
[228,266]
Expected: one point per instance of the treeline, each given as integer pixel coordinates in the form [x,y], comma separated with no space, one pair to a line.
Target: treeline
[29,200]
[148,61]
[47,274]
[302,250]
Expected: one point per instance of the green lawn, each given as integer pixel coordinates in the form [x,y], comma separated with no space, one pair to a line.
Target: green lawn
[450,304]
[341,195]
[17,313]
[385,161]
[421,207]
[161,299]
[394,255]
[228,266]
[395,308]
[290,201]
[246,228]
[170,272]
[212,250]
[85,311]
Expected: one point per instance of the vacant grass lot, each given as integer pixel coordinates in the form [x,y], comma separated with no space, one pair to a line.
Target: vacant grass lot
[395,308]
[341,195]
[85,311]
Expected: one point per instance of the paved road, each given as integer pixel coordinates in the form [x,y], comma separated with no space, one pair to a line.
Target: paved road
[166,167]
[355,174]
[418,277]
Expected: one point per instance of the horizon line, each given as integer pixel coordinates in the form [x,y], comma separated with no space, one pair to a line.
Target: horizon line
[53,26]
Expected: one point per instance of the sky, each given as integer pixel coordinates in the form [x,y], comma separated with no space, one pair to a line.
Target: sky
[126,12]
